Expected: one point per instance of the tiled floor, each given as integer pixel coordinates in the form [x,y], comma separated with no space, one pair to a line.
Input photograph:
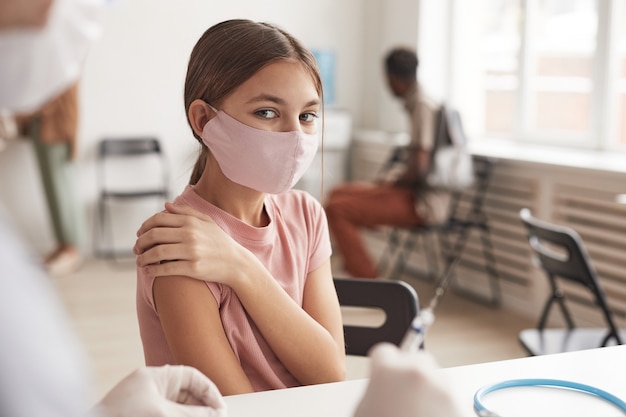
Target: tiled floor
[101,303]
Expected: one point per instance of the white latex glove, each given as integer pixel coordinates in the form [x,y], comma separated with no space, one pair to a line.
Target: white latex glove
[166,391]
[405,384]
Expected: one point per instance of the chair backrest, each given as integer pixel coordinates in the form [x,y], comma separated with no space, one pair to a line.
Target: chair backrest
[132,166]
[129,146]
[567,257]
[467,205]
[448,131]
[561,253]
[449,128]
[397,299]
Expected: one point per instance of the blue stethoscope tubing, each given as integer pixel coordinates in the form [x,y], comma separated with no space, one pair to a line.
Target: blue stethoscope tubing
[481,410]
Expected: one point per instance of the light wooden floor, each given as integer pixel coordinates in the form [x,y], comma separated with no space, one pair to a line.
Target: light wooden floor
[100,299]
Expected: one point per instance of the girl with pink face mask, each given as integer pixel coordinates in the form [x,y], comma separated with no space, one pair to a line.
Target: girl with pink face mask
[268,316]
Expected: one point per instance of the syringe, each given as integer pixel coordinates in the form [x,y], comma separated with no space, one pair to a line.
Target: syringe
[413,339]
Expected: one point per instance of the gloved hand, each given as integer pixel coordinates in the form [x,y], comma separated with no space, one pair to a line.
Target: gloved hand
[404,384]
[165,391]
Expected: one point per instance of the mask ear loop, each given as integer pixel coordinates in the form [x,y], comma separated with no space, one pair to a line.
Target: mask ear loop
[322,156]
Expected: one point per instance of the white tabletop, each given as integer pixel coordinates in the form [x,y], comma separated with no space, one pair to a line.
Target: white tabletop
[603,368]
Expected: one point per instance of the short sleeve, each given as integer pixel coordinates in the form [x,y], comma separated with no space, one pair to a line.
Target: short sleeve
[320,245]
[216,290]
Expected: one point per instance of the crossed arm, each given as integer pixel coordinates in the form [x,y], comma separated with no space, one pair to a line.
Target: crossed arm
[308,340]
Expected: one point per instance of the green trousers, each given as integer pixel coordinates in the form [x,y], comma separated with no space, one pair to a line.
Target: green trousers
[58,177]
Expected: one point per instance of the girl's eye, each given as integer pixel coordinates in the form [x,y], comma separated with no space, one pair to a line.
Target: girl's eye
[266,114]
[308,117]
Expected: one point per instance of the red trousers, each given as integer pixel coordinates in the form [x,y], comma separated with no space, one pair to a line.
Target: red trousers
[353,206]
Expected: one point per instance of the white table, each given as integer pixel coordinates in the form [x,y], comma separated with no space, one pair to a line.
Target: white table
[603,368]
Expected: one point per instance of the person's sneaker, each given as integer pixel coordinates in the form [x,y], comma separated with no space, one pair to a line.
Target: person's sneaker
[63,261]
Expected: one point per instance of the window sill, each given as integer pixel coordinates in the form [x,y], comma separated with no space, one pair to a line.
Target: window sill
[603,161]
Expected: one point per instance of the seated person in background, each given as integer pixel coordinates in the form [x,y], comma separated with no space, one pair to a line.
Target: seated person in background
[404,201]
[269,316]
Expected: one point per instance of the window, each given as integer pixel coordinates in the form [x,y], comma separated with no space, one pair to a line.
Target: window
[547,71]
[499,52]
[621,84]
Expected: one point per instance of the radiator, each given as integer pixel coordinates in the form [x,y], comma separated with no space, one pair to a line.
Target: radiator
[580,198]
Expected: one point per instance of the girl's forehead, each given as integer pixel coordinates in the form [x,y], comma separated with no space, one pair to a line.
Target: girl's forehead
[285,67]
[281,77]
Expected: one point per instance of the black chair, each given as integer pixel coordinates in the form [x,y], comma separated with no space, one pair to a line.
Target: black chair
[465,213]
[562,256]
[397,299]
[119,163]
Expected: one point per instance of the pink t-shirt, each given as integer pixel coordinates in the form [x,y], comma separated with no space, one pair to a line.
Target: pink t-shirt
[295,243]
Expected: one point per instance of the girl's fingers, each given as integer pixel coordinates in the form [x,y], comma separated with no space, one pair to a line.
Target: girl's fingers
[163,253]
[162,219]
[149,239]
[187,211]
[157,236]
[174,268]
[175,216]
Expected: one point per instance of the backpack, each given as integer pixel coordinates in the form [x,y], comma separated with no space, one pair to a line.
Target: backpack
[451,165]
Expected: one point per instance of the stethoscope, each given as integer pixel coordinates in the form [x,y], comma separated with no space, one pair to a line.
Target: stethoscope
[414,340]
[483,411]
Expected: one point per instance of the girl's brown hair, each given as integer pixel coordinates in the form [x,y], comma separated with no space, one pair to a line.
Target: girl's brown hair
[231,52]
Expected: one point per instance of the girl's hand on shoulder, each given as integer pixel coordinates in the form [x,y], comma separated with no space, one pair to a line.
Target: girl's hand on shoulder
[185,242]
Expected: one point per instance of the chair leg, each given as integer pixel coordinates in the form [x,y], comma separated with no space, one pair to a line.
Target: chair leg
[102,234]
[109,252]
[400,245]
[451,253]
[409,246]
[107,243]
[454,257]
[490,265]
[431,257]
[97,230]
[404,247]
[390,251]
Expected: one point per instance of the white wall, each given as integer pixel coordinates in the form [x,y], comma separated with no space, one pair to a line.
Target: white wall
[388,23]
[134,75]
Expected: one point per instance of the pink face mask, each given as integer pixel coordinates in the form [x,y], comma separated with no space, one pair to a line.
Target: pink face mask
[270,162]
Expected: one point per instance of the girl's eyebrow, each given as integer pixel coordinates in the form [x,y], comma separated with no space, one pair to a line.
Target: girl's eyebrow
[267,97]
[278,100]
[314,102]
